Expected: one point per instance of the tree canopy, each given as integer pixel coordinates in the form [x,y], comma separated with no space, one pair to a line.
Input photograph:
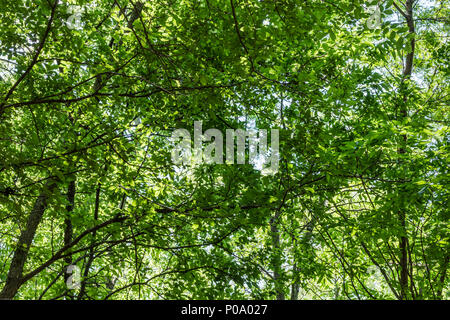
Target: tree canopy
[91,91]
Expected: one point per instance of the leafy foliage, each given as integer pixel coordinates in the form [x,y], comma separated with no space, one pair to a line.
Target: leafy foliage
[357,210]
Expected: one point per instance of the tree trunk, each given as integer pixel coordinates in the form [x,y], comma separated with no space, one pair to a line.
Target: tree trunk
[14,278]
[407,71]
[276,260]
[91,250]
[68,231]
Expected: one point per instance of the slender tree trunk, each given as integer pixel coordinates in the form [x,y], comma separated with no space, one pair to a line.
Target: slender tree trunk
[14,278]
[276,260]
[91,250]
[68,230]
[306,243]
[407,71]
[295,287]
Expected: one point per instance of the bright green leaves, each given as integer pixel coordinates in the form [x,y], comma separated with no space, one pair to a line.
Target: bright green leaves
[102,100]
